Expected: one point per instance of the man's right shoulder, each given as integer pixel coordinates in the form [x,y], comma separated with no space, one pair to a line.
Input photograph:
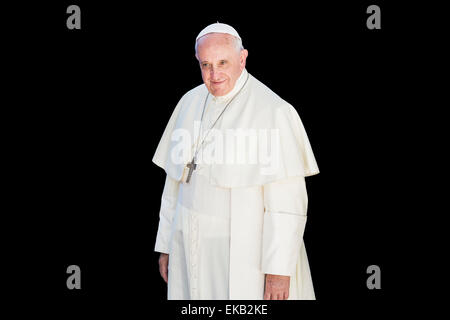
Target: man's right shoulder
[194,93]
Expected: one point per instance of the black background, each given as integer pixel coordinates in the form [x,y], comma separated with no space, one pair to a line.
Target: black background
[89,106]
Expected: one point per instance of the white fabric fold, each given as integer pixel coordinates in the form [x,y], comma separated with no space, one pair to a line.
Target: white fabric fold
[166,214]
[282,239]
[285,204]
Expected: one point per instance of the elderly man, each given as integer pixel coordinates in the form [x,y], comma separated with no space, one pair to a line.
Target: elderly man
[233,229]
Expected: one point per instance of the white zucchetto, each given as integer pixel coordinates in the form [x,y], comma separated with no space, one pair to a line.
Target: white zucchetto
[218,28]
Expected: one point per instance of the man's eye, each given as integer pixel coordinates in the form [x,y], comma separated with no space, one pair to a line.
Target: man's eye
[204,65]
[223,62]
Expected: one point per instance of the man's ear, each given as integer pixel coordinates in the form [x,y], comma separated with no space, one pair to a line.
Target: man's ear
[243,57]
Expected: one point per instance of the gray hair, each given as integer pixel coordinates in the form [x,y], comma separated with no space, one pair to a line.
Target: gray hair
[237,43]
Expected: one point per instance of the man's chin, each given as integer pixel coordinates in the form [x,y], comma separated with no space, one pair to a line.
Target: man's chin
[218,92]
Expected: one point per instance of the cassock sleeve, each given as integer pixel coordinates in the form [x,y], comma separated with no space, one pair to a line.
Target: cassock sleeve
[168,204]
[285,203]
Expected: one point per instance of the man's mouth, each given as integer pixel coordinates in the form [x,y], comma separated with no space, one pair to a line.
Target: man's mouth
[218,82]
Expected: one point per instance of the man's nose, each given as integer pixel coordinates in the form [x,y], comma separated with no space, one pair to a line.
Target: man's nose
[213,73]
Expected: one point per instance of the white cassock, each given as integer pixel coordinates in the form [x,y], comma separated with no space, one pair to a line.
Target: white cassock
[235,221]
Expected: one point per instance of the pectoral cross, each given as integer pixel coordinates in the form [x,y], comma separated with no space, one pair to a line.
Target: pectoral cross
[191,165]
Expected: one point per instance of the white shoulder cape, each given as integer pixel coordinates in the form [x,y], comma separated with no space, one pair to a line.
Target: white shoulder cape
[256,108]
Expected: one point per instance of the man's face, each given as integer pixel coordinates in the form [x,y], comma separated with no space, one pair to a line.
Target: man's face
[220,61]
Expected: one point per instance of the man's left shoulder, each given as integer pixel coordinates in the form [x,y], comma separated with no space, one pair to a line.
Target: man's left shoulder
[268,100]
